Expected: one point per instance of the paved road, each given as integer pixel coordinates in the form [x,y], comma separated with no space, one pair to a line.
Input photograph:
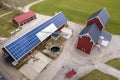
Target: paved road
[26,8]
[9,72]
[108,70]
[52,68]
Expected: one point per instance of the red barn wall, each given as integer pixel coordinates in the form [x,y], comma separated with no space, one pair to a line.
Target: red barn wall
[84,44]
[15,22]
[95,20]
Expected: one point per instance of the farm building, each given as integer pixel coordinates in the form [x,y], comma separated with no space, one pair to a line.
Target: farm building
[94,33]
[20,48]
[100,17]
[24,18]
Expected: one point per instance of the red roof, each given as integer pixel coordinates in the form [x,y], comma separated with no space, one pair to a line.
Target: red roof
[70,73]
[24,16]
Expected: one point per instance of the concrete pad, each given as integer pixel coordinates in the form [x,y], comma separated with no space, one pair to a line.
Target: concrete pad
[35,66]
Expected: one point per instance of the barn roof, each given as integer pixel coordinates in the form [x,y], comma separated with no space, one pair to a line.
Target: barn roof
[102,16]
[24,16]
[93,31]
[106,35]
[24,44]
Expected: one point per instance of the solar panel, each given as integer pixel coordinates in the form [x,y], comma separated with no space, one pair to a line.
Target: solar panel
[23,45]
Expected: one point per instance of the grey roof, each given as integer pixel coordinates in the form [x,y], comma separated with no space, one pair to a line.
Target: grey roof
[106,35]
[102,15]
[93,31]
[85,30]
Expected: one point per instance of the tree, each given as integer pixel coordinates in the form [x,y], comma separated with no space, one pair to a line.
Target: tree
[14,4]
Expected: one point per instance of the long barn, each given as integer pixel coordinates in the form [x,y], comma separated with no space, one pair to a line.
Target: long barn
[25,45]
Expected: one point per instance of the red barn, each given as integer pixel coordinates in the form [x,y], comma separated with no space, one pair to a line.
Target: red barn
[100,17]
[24,18]
[94,32]
[88,38]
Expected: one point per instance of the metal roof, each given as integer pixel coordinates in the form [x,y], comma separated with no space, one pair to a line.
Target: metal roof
[102,15]
[23,45]
[85,30]
[106,35]
[24,16]
[93,31]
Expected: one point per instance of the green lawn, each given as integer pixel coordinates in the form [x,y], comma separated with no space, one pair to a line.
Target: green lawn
[79,10]
[6,25]
[114,63]
[30,1]
[97,75]
[4,10]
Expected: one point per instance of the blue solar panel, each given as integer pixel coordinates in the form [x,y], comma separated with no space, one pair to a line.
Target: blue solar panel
[20,47]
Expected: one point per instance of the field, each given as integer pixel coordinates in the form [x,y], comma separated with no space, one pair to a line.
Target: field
[4,10]
[97,75]
[114,63]
[79,10]
[6,25]
[30,1]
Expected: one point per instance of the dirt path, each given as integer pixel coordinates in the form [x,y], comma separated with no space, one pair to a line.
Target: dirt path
[26,8]
[6,14]
[108,70]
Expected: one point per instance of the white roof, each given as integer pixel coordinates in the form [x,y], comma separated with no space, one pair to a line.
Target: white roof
[102,41]
[67,33]
[42,35]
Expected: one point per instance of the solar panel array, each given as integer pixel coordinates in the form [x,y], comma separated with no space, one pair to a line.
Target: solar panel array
[23,45]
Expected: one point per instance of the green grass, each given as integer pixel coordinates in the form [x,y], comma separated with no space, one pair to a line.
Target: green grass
[79,10]
[114,63]
[6,25]
[97,75]
[30,1]
[4,10]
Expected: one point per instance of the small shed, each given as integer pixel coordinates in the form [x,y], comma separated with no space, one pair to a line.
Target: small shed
[104,38]
[66,33]
[55,35]
[24,18]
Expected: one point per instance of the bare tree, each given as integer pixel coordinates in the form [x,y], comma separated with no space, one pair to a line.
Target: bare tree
[1,4]
[14,4]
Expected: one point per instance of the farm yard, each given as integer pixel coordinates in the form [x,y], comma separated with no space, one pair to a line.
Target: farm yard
[79,10]
[4,10]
